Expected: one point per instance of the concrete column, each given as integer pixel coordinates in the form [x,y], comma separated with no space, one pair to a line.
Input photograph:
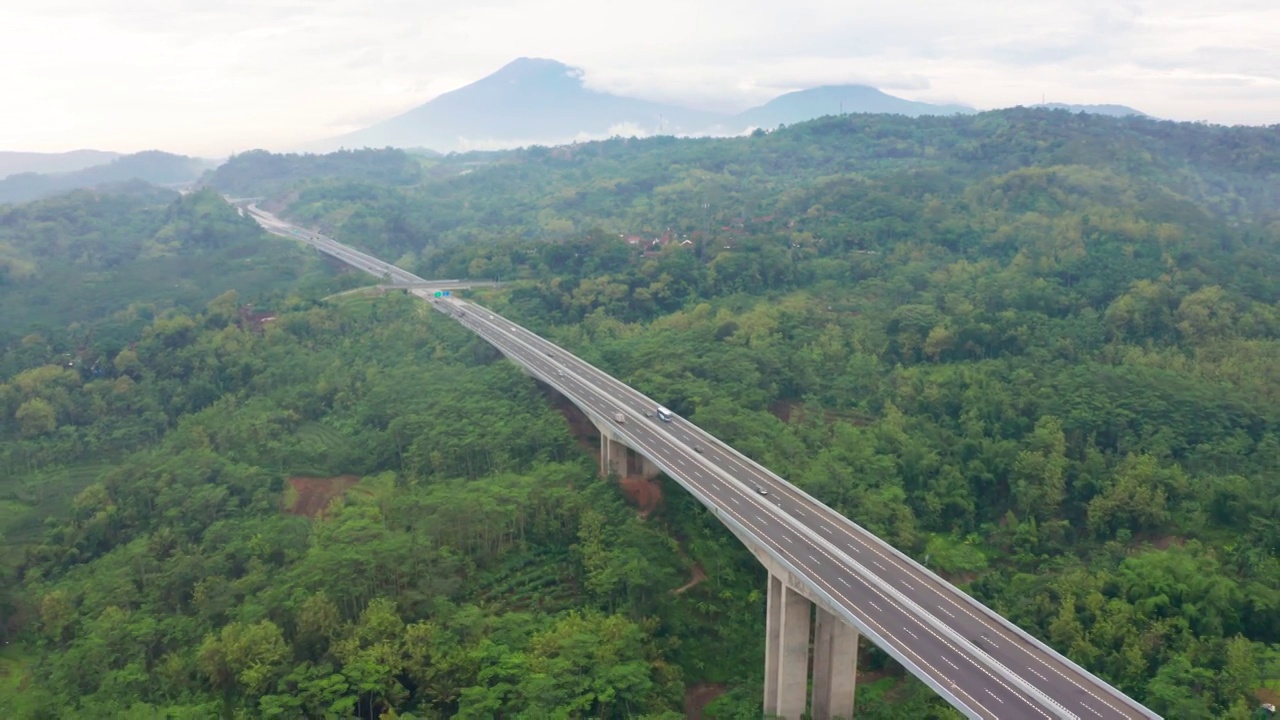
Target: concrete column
[613,456]
[835,667]
[646,467]
[786,652]
[604,454]
[772,641]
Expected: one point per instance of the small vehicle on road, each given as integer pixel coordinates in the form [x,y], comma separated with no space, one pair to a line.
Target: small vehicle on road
[697,449]
[760,489]
[620,418]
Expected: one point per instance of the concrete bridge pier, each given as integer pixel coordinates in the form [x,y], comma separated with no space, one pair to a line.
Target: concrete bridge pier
[613,456]
[835,667]
[786,663]
[786,653]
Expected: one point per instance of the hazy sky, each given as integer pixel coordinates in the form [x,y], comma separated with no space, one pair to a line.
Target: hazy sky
[213,76]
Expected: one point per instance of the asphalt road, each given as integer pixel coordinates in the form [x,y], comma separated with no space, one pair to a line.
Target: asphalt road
[987,667]
[901,631]
[1063,682]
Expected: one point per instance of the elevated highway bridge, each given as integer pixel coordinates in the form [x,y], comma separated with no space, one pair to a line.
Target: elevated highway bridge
[830,580]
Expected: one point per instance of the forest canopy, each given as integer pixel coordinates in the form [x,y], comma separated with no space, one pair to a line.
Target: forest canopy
[1036,351]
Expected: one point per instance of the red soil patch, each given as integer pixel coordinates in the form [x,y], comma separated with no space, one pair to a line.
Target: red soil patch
[642,492]
[697,696]
[314,494]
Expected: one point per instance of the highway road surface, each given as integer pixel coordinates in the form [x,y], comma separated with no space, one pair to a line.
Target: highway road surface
[982,664]
[1065,683]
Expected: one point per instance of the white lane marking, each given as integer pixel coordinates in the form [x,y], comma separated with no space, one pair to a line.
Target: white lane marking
[734,498]
[877,564]
[947,612]
[911,633]
[945,660]
[813,558]
[854,548]
[825,529]
[983,670]
[846,600]
[1088,707]
[997,697]
[844,582]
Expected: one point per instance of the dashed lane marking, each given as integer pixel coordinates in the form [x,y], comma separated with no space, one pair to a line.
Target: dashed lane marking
[817,577]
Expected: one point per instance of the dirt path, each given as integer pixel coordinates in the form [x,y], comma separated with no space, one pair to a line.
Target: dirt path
[698,576]
[697,696]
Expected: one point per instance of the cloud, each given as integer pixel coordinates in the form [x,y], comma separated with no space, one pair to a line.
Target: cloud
[219,75]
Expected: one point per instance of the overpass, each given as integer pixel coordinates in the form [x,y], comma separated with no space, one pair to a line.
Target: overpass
[830,580]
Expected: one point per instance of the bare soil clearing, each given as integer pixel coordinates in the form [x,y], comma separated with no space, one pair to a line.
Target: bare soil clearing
[312,495]
[697,696]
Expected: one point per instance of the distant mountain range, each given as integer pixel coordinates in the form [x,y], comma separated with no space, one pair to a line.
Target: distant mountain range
[152,166]
[12,163]
[538,101]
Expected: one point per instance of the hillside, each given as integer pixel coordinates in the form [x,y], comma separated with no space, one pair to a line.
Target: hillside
[155,167]
[13,163]
[1033,349]
[259,172]
[1110,110]
[654,186]
[108,261]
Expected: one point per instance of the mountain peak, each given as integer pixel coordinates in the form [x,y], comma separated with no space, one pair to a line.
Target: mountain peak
[539,70]
[527,100]
[832,99]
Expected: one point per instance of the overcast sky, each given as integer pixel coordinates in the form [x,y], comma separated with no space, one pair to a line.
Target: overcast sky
[210,77]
